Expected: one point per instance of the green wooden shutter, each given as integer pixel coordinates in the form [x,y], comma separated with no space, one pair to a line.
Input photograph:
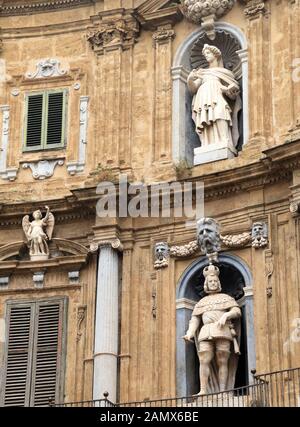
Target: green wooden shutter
[46,353]
[18,360]
[33,369]
[45,120]
[34,121]
[55,118]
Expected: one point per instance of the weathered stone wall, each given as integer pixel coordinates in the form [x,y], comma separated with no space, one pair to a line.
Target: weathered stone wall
[129,85]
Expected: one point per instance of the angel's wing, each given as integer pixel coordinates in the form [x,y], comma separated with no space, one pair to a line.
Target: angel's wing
[50,225]
[26,225]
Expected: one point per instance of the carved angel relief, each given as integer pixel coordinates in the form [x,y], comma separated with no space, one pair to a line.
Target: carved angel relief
[38,232]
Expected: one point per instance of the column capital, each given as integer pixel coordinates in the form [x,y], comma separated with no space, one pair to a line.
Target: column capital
[113,33]
[113,243]
[163,35]
[254,8]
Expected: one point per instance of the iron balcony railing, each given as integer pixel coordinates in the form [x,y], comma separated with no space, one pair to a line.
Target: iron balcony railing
[279,388]
[283,387]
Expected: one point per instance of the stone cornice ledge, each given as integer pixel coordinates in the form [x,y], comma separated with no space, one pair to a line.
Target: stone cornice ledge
[72,262]
[276,164]
[23,8]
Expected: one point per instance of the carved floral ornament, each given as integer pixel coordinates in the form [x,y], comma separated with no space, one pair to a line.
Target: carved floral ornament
[206,12]
[209,242]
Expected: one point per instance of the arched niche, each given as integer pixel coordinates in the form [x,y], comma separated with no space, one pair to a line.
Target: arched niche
[184,137]
[236,280]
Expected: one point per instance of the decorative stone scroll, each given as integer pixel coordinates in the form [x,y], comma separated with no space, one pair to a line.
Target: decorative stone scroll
[115,244]
[43,169]
[81,314]
[47,68]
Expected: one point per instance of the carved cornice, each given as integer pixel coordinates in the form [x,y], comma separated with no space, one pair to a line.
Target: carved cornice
[154,13]
[113,32]
[23,8]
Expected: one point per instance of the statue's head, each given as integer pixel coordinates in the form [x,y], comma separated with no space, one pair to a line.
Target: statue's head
[161,251]
[212,282]
[37,214]
[208,235]
[212,53]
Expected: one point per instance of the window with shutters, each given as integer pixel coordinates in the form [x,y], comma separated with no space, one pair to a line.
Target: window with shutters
[34,365]
[45,117]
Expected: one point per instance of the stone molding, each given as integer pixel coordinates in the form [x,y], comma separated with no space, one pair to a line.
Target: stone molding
[6,173]
[77,167]
[25,8]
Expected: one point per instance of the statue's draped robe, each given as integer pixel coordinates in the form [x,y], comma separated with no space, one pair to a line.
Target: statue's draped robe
[215,116]
[210,309]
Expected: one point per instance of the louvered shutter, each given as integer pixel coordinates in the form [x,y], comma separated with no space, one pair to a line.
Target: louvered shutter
[46,353]
[34,121]
[18,360]
[55,116]
[45,120]
[33,369]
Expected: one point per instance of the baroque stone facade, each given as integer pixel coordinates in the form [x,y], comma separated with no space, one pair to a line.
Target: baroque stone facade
[118,62]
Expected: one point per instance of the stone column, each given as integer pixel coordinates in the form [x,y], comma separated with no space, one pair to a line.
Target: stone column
[106,322]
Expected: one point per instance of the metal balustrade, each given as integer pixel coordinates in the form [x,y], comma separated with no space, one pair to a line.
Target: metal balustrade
[273,389]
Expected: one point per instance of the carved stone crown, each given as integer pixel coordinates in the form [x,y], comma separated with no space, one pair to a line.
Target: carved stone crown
[211,270]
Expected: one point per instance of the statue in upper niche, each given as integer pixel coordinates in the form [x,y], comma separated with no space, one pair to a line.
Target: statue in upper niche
[216,100]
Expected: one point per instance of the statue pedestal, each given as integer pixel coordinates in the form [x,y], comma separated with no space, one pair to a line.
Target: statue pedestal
[213,153]
[226,400]
[39,257]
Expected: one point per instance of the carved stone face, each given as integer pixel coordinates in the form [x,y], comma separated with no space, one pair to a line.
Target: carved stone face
[258,230]
[208,235]
[161,251]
